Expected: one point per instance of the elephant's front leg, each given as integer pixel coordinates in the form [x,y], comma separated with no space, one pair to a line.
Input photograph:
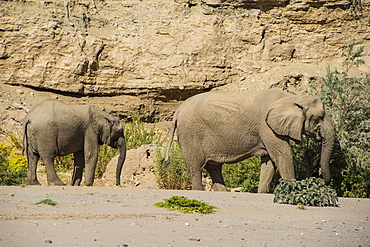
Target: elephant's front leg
[79,164]
[91,157]
[266,175]
[280,153]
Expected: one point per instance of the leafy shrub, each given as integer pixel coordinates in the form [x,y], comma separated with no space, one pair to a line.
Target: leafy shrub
[245,174]
[15,141]
[305,192]
[106,153]
[347,99]
[63,163]
[137,135]
[348,102]
[8,177]
[175,175]
[13,165]
[185,205]
[306,158]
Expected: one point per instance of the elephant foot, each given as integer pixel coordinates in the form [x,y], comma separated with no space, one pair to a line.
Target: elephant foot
[197,187]
[219,187]
[263,189]
[320,181]
[56,183]
[33,182]
[77,182]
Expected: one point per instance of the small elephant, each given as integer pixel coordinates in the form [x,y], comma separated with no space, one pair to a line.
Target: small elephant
[53,128]
[227,127]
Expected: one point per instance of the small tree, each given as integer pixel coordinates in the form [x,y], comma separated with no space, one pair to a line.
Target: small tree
[348,101]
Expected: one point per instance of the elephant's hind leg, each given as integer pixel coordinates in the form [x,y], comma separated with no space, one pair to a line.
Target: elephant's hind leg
[32,167]
[215,170]
[51,174]
[79,163]
[196,178]
[195,169]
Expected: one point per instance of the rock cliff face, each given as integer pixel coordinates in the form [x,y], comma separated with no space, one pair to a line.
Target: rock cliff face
[165,50]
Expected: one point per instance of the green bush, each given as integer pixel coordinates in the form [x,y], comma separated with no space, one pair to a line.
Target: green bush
[185,205]
[307,192]
[13,165]
[245,174]
[137,135]
[175,175]
[106,153]
[347,99]
[8,177]
[63,163]
[348,102]
[306,158]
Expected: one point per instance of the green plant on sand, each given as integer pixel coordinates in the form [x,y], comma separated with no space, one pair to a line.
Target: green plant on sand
[307,192]
[185,205]
[46,201]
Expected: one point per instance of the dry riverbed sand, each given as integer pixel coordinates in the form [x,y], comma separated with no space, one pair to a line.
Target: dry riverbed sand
[101,216]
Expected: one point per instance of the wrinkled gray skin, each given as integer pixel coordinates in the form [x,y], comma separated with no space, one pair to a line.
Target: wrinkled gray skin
[227,127]
[53,128]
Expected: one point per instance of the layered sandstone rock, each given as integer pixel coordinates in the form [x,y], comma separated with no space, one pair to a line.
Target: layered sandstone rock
[160,51]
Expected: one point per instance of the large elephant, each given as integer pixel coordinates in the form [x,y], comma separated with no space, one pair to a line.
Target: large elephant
[227,127]
[53,128]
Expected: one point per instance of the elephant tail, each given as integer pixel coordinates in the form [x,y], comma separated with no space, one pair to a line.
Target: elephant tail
[25,142]
[166,160]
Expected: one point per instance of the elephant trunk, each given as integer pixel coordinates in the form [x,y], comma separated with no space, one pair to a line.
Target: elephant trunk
[122,156]
[327,133]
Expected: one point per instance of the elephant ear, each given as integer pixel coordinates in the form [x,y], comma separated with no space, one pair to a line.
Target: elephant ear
[286,117]
[102,126]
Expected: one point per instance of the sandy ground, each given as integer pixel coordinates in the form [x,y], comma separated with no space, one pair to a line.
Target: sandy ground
[98,216]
